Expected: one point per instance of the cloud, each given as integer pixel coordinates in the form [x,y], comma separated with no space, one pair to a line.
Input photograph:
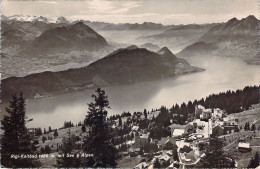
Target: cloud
[47,2]
[97,7]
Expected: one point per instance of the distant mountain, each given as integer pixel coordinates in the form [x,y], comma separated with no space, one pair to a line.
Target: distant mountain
[150,46]
[62,19]
[198,48]
[234,29]
[135,26]
[234,38]
[104,26]
[124,66]
[41,18]
[179,36]
[65,39]
[17,35]
[28,18]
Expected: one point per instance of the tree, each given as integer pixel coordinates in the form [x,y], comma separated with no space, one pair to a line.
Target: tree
[83,128]
[56,134]
[38,131]
[68,157]
[44,131]
[215,157]
[156,163]
[253,128]
[254,162]
[43,139]
[120,121]
[99,141]
[145,113]
[175,153]
[16,138]
[50,129]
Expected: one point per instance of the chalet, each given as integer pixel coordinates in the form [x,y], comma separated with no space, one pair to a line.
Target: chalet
[164,140]
[231,129]
[164,158]
[217,113]
[177,129]
[135,128]
[133,152]
[206,114]
[141,140]
[244,147]
[198,111]
[218,130]
[178,132]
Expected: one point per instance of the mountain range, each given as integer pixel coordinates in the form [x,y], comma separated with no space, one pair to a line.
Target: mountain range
[121,67]
[234,38]
[64,39]
[179,36]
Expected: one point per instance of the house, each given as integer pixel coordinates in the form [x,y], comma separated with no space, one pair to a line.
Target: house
[178,132]
[133,152]
[142,165]
[206,114]
[244,147]
[198,111]
[164,140]
[135,128]
[141,140]
[164,158]
[218,131]
[231,129]
[181,129]
[217,113]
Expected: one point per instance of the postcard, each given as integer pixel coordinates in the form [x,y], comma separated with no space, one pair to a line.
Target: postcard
[130,84]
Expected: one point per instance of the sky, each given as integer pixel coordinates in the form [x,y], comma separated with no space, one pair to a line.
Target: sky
[136,11]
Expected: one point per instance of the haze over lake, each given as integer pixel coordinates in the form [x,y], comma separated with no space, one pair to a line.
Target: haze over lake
[221,74]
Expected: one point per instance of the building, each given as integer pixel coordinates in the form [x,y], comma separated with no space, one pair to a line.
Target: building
[244,147]
[133,152]
[202,113]
[231,129]
[178,132]
[218,131]
[198,111]
[141,140]
[135,128]
[177,129]
[217,113]
[164,141]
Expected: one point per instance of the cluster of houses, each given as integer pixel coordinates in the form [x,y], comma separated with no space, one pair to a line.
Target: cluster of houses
[207,122]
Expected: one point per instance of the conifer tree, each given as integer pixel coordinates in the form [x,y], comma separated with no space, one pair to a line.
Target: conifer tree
[16,138]
[83,128]
[157,163]
[215,157]
[99,141]
[55,134]
[50,129]
[255,161]
[120,121]
[67,149]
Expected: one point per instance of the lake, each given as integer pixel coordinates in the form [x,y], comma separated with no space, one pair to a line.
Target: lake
[221,74]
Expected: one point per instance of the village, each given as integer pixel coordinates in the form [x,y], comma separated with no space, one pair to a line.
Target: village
[186,144]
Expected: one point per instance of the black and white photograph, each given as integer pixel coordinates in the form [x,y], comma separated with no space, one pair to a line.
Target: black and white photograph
[141,84]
